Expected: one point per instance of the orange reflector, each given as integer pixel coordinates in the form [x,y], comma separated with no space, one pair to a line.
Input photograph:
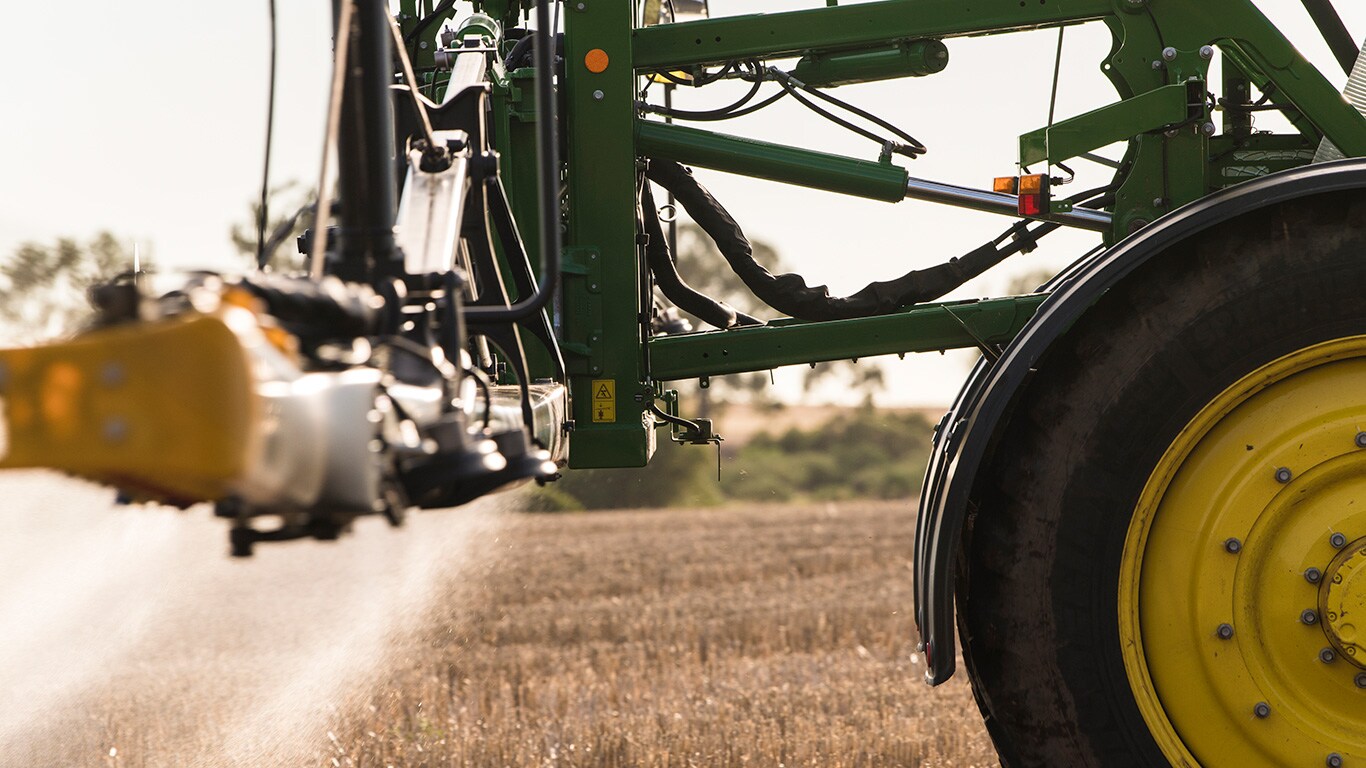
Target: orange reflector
[1036,184]
[1006,185]
[595,60]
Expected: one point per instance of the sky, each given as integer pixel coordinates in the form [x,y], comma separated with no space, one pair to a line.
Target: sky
[147,119]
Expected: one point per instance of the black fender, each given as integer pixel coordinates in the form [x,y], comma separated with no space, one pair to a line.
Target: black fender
[964,437]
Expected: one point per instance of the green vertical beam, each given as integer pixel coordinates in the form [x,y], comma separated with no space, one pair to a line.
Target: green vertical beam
[601,279]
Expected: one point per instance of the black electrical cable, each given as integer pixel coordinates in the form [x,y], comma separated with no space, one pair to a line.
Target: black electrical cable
[720,113]
[401,51]
[263,215]
[864,132]
[912,142]
[547,183]
[703,79]
[436,15]
[912,149]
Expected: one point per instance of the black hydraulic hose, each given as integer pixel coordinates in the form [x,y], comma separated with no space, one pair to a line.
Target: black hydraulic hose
[547,187]
[789,293]
[1334,32]
[365,150]
[662,266]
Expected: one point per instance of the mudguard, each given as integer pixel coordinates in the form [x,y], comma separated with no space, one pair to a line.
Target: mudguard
[964,437]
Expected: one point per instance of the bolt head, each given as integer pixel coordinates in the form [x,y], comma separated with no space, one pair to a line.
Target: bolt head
[1225,631]
[1158,65]
[598,95]
[1233,546]
[1327,655]
[1208,129]
[115,430]
[1360,440]
[1158,202]
[1334,761]
[112,375]
[1309,616]
[1262,710]
[1169,54]
[580,6]
[1206,51]
[1337,540]
[1283,474]
[1361,679]
[1313,575]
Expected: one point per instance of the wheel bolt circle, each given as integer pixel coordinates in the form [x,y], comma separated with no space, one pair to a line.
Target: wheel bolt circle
[1309,616]
[1262,710]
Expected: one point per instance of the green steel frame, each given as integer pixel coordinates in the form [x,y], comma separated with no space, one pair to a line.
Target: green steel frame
[1159,66]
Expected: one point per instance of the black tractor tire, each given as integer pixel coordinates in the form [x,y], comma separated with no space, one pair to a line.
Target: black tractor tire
[1042,546]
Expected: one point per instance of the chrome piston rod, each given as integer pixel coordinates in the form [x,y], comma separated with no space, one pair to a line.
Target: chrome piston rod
[995,202]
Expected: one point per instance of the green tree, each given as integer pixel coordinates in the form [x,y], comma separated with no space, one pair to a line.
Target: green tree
[291,210]
[43,287]
[704,268]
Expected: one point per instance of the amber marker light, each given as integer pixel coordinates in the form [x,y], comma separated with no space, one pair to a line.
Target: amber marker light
[1006,185]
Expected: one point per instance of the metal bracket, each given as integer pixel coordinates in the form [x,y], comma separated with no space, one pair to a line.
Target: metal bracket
[1098,128]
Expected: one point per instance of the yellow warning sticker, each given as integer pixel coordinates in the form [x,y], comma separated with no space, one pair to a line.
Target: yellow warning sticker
[604,400]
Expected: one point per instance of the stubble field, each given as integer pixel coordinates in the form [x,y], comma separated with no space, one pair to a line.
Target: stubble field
[764,636]
[761,636]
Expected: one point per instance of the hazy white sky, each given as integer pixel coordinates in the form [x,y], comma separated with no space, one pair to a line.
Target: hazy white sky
[147,119]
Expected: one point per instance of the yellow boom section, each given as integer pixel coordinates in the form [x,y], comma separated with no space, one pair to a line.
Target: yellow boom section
[164,408]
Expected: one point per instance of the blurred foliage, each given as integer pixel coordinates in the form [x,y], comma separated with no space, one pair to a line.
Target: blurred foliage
[677,476]
[290,213]
[704,268]
[43,287]
[862,453]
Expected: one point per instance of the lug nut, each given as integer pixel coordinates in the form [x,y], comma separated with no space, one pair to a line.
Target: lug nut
[1206,51]
[1283,474]
[1169,54]
[1308,616]
[1361,679]
[1262,710]
[1334,760]
[1337,540]
[1327,655]
[1361,439]
[1225,631]
[1313,575]
[1233,546]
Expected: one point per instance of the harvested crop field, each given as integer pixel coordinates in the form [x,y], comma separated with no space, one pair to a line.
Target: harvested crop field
[771,636]
[759,637]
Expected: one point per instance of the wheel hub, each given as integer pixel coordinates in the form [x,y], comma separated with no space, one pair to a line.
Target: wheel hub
[1243,589]
[1342,602]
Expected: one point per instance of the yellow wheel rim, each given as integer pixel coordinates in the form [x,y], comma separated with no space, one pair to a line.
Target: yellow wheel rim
[1242,594]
